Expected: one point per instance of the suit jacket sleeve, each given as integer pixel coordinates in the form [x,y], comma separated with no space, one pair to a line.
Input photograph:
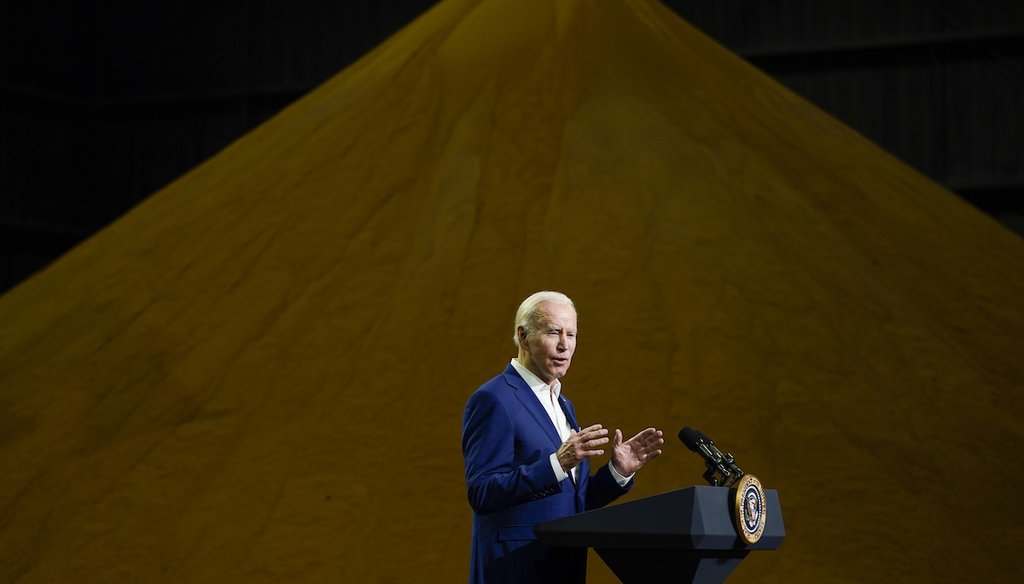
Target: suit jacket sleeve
[495,479]
[604,489]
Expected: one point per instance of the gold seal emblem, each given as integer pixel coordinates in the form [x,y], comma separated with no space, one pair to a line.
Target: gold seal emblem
[750,509]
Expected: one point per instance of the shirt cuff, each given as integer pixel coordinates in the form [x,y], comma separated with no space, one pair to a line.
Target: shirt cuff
[560,474]
[623,481]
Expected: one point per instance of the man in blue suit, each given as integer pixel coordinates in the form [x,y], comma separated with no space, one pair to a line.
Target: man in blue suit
[527,459]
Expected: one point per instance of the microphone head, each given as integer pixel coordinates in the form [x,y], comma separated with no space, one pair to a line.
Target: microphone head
[704,437]
[690,437]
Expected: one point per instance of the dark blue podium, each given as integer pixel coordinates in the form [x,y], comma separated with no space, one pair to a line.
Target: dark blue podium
[687,535]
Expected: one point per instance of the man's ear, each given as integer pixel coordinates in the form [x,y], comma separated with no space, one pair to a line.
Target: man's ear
[521,331]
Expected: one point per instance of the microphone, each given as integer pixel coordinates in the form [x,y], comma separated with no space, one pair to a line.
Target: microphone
[692,439]
[727,459]
[714,459]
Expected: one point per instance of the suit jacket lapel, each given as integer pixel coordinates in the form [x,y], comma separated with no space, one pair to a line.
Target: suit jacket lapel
[570,416]
[529,400]
[570,412]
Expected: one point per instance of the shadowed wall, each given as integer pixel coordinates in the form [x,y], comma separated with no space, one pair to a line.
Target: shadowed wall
[258,374]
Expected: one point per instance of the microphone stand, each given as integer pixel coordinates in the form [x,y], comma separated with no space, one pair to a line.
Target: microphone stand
[723,465]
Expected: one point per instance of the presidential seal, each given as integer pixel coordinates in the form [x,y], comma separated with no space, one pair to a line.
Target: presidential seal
[750,509]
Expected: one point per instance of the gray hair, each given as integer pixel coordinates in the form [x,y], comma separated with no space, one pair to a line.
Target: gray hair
[526,316]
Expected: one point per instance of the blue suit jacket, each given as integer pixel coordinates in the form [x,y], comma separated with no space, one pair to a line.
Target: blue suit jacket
[507,439]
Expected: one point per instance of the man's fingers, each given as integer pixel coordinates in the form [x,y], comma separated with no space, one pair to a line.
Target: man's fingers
[592,432]
[584,446]
[648,437]
[655,440]
[651,456]
[645,446]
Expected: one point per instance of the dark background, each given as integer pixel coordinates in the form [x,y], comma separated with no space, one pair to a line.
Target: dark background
[103,103]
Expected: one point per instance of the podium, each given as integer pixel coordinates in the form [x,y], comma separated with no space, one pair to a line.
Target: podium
[687,535]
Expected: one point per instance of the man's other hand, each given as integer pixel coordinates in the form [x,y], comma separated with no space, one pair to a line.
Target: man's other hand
[581,445]
[631,455]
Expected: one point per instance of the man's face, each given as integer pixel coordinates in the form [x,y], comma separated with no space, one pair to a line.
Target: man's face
[549,347]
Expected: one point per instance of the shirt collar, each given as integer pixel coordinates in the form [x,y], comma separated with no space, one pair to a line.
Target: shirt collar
[536,383]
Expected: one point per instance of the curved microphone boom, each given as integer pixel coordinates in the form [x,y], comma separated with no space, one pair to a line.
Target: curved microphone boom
[723,465]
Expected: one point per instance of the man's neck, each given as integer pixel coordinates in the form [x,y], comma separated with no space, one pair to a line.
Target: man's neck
[523,360]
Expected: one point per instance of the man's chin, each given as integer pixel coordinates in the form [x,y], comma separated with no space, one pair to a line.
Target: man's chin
[558,370]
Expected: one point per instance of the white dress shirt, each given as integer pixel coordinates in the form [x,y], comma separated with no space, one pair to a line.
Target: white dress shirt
[548,397]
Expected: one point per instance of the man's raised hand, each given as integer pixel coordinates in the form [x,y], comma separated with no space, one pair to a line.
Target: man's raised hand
[631,455]
[581,445]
